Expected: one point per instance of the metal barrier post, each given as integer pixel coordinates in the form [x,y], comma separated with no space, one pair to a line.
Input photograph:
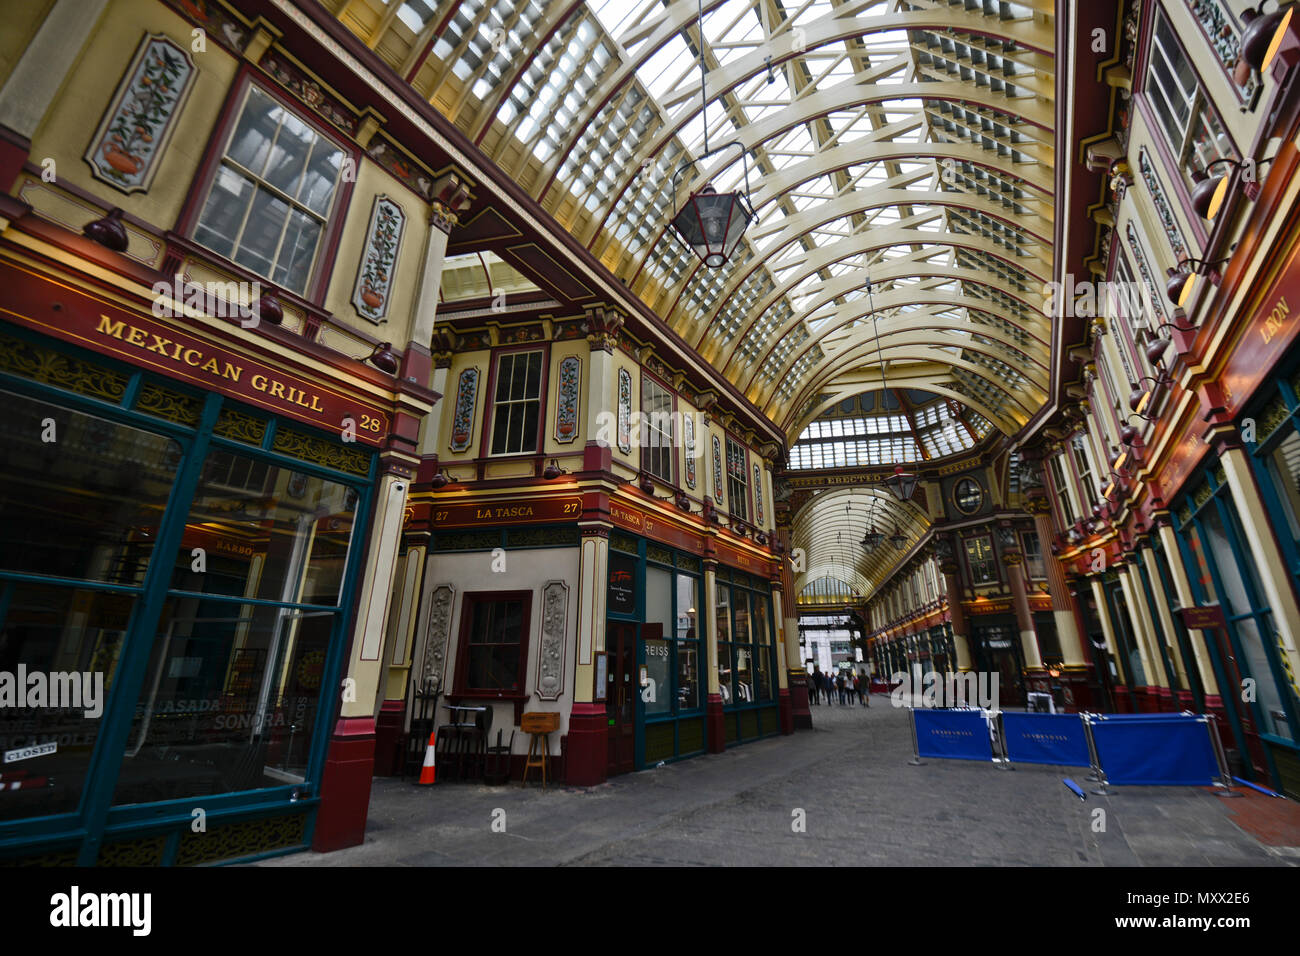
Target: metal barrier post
[1223,787]
[1093,756]
[916,760]
[999,736]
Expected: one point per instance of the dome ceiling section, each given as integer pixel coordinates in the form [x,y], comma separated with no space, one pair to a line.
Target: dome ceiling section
[883,135]
[830,528]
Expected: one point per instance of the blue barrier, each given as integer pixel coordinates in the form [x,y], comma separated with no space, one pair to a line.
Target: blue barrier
[1156,750]
[1045,738]
[952,734]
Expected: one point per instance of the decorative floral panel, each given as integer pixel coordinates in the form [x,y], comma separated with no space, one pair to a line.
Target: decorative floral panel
[462,419]
[133,133]
[758,495]
[550,657]
[379,259]
[1163,209]
[688,437]
[1145,270]
[567,390]
[717,470]
[217,24]
[624,411]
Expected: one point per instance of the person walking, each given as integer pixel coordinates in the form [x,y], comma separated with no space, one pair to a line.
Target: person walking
[815,684]
[863,687]
[842,684]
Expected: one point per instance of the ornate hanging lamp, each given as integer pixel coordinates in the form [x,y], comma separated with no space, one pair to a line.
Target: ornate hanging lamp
[711,223]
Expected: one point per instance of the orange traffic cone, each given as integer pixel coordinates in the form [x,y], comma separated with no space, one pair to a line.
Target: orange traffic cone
[429,771]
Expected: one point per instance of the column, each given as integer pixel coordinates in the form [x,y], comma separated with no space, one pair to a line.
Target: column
[35,80]
[1067,629]
[1183,595]
[349,762]
[1167,626]
[956,613]
[1144,627]
[782,680]
[796,670]
[586,755]
[1126,585]
[1257,526]
[1014,562]
[602,325]
[717,731]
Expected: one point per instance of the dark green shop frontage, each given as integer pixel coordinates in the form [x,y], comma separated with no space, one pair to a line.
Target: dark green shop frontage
[189,562]
[654,671]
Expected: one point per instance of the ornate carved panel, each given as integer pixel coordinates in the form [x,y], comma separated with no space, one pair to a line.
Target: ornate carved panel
[435,645]
[550,654]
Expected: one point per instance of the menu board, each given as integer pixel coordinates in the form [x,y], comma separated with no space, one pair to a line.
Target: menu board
[622,584]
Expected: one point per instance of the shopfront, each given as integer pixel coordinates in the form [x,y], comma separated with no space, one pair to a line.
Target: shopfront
[654,655]
[747,659]
[1246,650]
[188,560]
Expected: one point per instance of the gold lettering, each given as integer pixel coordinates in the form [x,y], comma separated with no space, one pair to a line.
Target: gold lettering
[109,327]
[132,336]
[159,344]
[258,382]
[211,366]
[232,371]
[196,353]
[277,389]
[315,404]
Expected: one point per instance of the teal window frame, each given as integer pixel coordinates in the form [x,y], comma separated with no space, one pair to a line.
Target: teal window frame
[96,821]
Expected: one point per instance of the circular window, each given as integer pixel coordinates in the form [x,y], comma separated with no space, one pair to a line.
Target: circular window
[968,495]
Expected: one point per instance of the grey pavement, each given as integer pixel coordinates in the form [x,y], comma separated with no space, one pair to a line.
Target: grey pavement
[862,802]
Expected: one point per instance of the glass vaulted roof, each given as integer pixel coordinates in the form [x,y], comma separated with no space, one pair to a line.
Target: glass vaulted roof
[908,143]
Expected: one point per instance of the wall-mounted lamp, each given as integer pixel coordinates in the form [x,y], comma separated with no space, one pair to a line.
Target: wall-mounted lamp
[384,358]
[646,483]
[553,471]
[1182,278]
[442,480]
[1209,191]
[681,501]
[1263,36]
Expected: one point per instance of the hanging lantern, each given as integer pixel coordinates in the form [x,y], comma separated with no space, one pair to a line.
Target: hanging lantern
[901,483]
[897,540]
[711,223]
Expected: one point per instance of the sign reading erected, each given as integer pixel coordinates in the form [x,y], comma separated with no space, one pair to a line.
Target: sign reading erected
[98,325]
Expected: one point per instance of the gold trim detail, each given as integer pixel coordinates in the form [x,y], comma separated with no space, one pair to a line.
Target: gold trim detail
[19,357]
[320,452]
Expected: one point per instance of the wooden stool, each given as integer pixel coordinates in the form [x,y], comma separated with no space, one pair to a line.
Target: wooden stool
[538,725]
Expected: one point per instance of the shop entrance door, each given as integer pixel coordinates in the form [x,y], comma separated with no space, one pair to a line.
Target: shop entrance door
[620,700]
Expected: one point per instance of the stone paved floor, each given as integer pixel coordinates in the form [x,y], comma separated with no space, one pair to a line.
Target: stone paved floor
[864,805]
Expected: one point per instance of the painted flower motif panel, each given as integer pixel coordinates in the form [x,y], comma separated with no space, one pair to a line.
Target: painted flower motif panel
[624,411]
[462,422]
[378,260]
[717,470]
[566,401]
[126,147]
[688,437]
[758,494]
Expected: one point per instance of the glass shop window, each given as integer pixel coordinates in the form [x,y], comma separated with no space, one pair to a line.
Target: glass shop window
[517,403]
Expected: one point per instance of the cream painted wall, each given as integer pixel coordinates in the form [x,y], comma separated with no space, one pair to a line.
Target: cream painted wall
[526,570]
[21,19]
[64,135]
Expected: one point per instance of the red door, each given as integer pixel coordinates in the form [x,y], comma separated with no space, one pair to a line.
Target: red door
[620,705]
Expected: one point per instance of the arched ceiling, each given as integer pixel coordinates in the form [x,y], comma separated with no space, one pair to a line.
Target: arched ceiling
[830,526]
[906,142]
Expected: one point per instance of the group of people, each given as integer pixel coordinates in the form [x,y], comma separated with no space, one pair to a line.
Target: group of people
[847,684]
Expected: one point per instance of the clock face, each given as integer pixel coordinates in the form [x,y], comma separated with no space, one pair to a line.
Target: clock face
[968,495]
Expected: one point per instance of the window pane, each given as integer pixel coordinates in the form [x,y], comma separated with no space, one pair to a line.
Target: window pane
[288,160]
[73,638]
[266,532]
[496,630]
[229,701]
[87,505]
[688,671]
[262,232]
[297,251]
[251,143]
[322,174]
[223,213]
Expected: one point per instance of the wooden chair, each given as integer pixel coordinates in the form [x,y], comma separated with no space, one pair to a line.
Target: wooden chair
[538,725]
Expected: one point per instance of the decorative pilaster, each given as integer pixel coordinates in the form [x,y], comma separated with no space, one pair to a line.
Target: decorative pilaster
[601,325]
[717,731]
[586,755]
[1063,614]
[1014,562]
